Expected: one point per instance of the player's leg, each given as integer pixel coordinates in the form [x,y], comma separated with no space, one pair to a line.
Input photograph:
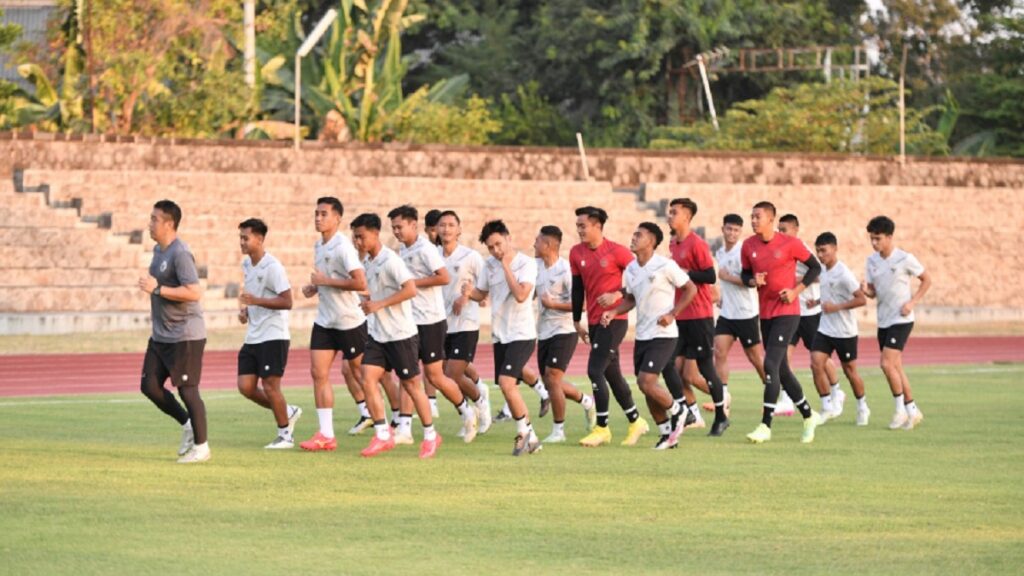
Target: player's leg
[616,331]
[723,345]
[891,364]
[320,360]
[819,359]
[154,374]
[383,439]
[352,373]
[186,371]
[859,391]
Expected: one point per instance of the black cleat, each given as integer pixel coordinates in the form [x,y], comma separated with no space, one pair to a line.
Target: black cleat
[545,407]
[719,427]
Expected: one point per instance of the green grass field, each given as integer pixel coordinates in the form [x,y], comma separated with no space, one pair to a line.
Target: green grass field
[88,485]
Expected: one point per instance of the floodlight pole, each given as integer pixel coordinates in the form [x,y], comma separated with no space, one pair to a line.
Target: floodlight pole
[707,90]
[307,46]
[583,156]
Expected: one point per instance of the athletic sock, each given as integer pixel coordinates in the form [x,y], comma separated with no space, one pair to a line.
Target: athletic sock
[282,431]
[587,402]
[602,419]
[900,406]
[558,427]
[433,403]
[632,414]
[382,429]
[692,407]
[523,426]
[363,412]
[835,389]
[326,418]
[405,424]
[505,410]
[804,407]
[862,402]
[766,414]
[463,409]
[429,433]
[665,428]
[826,403]
[912,408]
[187,425]
[675,413]
[541,390]
[725,389]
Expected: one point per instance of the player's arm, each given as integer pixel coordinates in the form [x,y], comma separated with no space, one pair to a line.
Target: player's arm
[859,299]
[519,290]
[473,293]
[186,293]
[438,278]
[705,276]
[730,278]
[355,284]
[407,292]
[577,307]
[922,289]
[788,295]
[627,303]
[689,293]
[282,301]
[608,299]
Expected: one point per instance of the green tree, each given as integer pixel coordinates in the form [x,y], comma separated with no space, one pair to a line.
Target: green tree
[9,33]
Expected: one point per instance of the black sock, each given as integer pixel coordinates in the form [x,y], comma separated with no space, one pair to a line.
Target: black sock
[632,414]
[766,415]
[804,407]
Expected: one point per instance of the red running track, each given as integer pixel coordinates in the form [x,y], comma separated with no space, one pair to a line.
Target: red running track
[60,374]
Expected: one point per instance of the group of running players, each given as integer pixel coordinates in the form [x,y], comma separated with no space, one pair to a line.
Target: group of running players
[408,323]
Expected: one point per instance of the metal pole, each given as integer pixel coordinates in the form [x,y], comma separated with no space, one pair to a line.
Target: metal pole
[298,97]
[249,26]
[828,65]
[707,90]
[903,109]
[583,156]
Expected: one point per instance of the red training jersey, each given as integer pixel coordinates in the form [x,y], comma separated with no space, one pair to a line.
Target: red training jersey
[601,270]
[692,254]
[778,258]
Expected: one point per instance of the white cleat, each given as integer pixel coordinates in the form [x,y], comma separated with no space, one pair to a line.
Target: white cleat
[433,410]
[462,432]
[825,416]
[196,454]
[899,420]
[294,413]
[913,421]
[838,399]
[483,417]
[556,437]
[403,439]
[281,443]
[187,439]
[470,426]
[863,415]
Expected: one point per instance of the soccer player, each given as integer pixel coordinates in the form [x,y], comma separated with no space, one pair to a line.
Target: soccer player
[650,284]
[340,325]
[175,349]
[555,330]
[840,295]
[464,266]
[393,342]
[737,318]
[430,221]
[266,300]
[769,263]
[696,322]
[431,276]
[810,317]
[889,274]
[509,277]
[597,264]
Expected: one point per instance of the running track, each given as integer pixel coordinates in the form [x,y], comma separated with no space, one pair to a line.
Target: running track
[53,374]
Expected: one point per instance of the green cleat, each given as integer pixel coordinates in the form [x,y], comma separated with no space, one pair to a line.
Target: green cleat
[810,424]
[760,435]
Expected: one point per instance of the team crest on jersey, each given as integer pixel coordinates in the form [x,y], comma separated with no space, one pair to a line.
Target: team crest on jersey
[777,254]
[604,263]
[753,255]
[163,266]
[259,278]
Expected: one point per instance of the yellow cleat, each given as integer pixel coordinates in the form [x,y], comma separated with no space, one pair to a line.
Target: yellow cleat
[636,430]
[760,435]
[599,435]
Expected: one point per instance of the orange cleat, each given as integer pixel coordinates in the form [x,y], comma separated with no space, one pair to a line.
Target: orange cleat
[378,446]
[429,447]
[319,443]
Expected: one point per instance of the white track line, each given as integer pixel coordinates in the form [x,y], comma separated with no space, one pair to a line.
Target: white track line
[4,404]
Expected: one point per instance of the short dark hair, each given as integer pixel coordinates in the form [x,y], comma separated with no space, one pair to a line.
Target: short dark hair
[171,209]
[432,217]
[826,238]
[790,219]
[333,202]
[655,230]
[594,213]
[367,220]
[405,212]
[732,219]
[491,228]
[443,214]
[685,203]
[765,205]
[881,225]
[258,227]
[552,232]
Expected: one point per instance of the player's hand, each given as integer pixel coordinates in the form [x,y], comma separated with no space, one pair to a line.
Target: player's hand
[582,331]
[787,295]
[370,306]
[907,308]
[506,257]
[247,299]
[813,303]
[317,278]
[760,279]
[309,290]
[458,304]
[147,284]
[243,315]
[666,320]
[866,289]
[546,301]
[606,317]
[828,307]
[608,299]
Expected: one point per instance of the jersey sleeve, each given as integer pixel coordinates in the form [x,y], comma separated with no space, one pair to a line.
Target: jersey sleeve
[527,273]
[574,268]
[185,268]
[623,256]
[850,281]
[799,251]
[702,256]
[745,263]
[914,266]
[433,259]
[476,265]
[627,278]
[867,272]
[278,280]
[349,257]
[481,279]
[399,271]
[675,274]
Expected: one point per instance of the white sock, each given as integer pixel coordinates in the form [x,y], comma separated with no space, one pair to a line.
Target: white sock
[481,386]
[587,402]
[505,409]
[202,447]
[464,410]
[559,427]
[835,389]
[283,432]
[900,406]
[326,417]
[405,425]
[862,402]
[429,433]
[541,390]
[826,403]
[187,425]
[362,409]
[523,426]
[674,411]
[383,430]
[433,403]
[725,390]
[912,408]
[665,427]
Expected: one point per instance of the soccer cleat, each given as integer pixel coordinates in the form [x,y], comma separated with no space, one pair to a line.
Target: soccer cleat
[359,426]
[428,448]
[195,455]
[784,406]
[761,434]
[899,420]
[433,410]
[710,406]
[483,418]
[402,438]
[378,446]
[502,416]
[913,421]
[694,420]
[863,414]
[319,443]
[599,435]
[545,407]
[827,415]
[676,433]
[636,430]
[294,413]
[528,444]
[838,399]
[470,427]
[719,427]
[187,440]
[590,414]
[281,443]
[556,437]
[665,443]
[810,424]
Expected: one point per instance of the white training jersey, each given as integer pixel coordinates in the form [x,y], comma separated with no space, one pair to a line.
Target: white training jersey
[891,278]
[838,286]
[810,294]
[423,260]
[555,283]
[337,309]
[385,275]
[738,302]
[653,286]
[267,279]
[511,321]
[464,267]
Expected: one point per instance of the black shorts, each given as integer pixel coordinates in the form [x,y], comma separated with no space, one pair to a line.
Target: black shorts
[746,331]
[806,331]
[511,358]
[895,336]
[263,359]
[652,356]
[432,337]
[779,331]
[461,345]
[182,362]
[696,338]
[845,348]
[556,352]
[402,356]
[605,340]
[351,343]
